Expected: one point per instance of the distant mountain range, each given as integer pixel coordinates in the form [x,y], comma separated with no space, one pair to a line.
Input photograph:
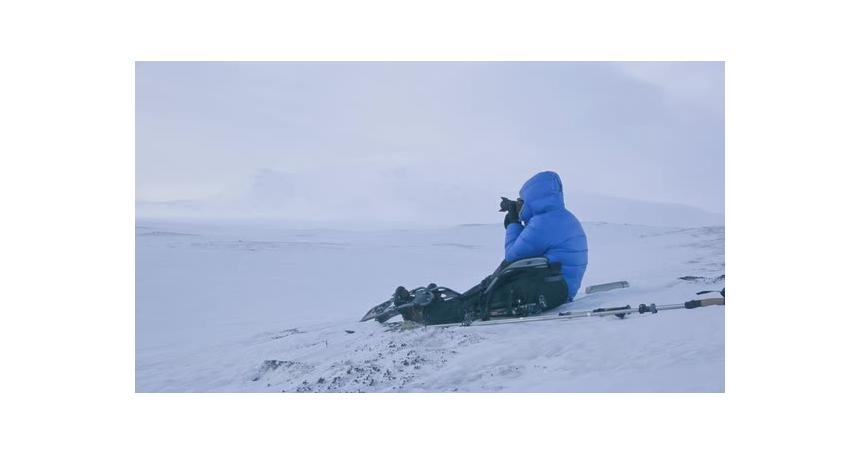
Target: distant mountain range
[306,198]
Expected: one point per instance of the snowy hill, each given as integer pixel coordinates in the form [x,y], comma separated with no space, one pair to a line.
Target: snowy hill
[241,307]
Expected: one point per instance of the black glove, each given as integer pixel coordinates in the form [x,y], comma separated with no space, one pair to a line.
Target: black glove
[511,217]
[513,208]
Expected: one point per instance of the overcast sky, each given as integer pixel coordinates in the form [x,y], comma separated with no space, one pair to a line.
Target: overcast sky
[363,132]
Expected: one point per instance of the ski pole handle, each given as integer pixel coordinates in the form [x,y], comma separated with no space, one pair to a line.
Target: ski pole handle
[704,302]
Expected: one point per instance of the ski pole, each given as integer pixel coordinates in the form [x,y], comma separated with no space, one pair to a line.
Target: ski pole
[618,311]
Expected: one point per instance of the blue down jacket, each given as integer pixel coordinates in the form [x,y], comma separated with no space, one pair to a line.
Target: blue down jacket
[550,230]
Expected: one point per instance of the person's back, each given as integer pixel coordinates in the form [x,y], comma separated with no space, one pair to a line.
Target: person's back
[550,230]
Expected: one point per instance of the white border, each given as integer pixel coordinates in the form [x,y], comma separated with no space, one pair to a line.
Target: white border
[68,188]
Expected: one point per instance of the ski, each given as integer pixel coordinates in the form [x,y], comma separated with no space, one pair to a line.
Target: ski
[382,312]
[606,287]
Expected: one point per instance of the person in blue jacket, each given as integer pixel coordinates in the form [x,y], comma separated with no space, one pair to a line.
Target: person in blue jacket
[544,227]
[536,225]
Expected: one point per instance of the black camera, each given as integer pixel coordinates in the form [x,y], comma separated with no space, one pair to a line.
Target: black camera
[508,205]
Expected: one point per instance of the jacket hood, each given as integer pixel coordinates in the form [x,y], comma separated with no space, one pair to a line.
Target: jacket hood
[540,194]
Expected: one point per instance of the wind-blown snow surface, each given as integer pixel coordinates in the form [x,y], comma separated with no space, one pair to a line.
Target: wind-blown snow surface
[237,307]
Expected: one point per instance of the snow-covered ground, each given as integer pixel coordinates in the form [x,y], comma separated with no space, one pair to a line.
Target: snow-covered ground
[226,307]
